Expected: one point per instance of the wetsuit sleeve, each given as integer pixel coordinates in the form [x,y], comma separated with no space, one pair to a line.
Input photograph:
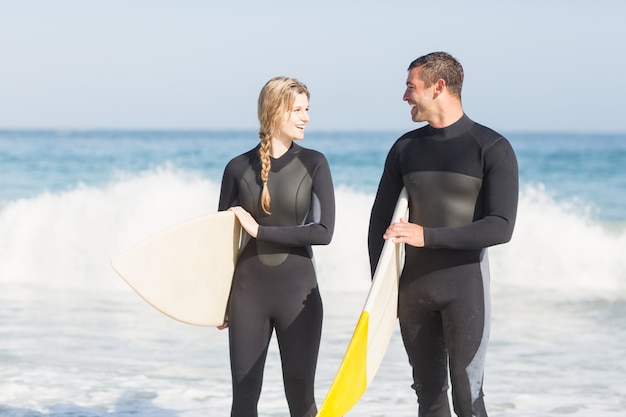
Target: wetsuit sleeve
[388,192]
[498,196]
[319,225]
[230,189]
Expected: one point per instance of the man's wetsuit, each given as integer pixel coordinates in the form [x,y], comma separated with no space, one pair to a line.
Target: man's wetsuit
[275,285]
[462,182]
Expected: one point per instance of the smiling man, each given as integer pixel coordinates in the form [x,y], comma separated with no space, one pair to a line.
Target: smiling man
[462,180]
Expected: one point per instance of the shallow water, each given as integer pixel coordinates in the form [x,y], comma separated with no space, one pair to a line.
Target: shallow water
[77,341]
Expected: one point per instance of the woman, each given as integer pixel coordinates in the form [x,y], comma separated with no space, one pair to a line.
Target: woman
[283,196]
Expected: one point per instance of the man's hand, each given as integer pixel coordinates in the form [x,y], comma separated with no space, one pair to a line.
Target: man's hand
[405,232]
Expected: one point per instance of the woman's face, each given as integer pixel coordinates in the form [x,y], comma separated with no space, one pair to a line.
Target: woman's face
[294,122]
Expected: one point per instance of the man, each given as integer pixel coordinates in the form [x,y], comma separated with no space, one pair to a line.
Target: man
[462,182]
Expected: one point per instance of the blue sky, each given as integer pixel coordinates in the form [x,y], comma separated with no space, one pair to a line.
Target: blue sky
[531,65]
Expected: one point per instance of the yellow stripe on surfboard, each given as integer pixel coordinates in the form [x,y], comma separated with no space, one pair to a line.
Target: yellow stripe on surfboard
[351,381]
[374,328]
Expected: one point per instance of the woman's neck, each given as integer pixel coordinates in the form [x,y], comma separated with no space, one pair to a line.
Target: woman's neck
[279,147]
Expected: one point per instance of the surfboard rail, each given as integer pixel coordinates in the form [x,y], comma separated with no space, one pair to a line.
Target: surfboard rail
[374,328]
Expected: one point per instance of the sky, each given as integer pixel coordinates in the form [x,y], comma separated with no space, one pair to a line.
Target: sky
[532,65]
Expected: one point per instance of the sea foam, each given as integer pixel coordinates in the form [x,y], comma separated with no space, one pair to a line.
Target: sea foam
[66,240]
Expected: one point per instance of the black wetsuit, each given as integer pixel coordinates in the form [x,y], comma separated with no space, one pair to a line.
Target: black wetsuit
[462,182]
[275,284]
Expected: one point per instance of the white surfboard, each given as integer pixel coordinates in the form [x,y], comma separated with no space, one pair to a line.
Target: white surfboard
[186,272]
[373,331]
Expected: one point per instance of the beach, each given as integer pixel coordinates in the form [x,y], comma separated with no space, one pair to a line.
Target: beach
[77,341]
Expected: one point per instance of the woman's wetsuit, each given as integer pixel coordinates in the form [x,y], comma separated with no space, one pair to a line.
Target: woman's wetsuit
[275,284]
[462,182]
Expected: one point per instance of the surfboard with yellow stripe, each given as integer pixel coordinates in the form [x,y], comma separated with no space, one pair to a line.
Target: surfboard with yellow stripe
[373,331]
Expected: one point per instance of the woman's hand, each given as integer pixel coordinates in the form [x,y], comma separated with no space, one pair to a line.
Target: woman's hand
[405,232]
[247,221]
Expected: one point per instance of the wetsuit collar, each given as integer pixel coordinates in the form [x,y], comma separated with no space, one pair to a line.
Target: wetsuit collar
[279,163]
[454,130]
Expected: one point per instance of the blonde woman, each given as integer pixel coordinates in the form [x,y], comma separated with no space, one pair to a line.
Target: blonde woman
[283,196]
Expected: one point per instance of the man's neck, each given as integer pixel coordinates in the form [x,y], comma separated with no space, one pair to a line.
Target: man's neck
[447,116]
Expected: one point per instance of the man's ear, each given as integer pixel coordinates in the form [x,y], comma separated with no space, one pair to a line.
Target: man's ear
[440,86]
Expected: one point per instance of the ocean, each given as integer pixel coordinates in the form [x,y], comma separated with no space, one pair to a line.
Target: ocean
[77,341]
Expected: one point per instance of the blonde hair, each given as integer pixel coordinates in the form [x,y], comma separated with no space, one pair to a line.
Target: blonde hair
[276,98]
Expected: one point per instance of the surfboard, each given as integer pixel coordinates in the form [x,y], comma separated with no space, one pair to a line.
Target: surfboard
[374,328]
[186,271]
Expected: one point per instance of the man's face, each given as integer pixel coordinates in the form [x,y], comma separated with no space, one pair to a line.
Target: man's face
[419,97]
